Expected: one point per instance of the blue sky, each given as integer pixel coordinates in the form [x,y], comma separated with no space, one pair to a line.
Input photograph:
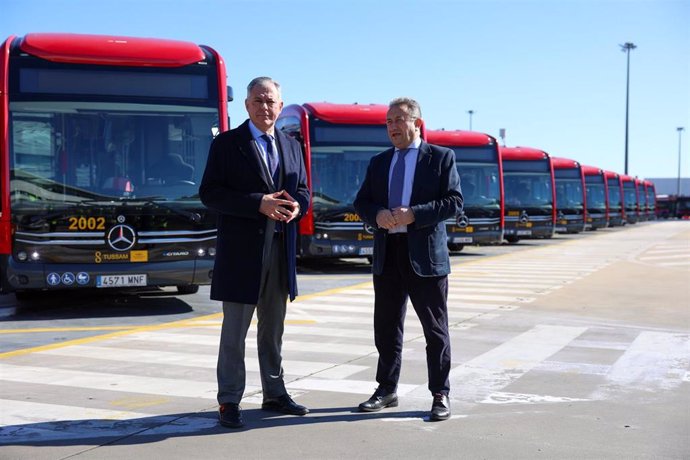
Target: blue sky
[548,71]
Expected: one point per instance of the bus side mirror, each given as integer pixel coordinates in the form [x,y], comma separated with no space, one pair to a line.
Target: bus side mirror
[231,97]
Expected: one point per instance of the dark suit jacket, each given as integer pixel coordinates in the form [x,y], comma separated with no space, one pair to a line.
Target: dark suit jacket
[234,182]
[435,197]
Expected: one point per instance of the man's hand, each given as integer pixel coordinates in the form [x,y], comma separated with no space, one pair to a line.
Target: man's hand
[276,208]
[385,219]
[295,205]
[403,215]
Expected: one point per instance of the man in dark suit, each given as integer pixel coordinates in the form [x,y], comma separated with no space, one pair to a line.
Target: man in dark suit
[407,195]
[256,182]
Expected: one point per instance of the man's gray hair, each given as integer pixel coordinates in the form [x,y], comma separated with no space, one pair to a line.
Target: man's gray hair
[412,106]
[263,81]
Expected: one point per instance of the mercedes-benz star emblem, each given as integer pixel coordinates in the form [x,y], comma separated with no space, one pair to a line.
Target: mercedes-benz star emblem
[524,217]
[462,220]
[369,229]
[121,237]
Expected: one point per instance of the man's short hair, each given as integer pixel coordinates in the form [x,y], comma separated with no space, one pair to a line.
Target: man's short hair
[263,81]
[412,106]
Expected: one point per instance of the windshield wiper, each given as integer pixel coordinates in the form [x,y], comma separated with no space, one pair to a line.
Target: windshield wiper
[152,201]
[38,220]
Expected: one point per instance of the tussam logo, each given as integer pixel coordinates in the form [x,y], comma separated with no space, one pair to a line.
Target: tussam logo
[121,237]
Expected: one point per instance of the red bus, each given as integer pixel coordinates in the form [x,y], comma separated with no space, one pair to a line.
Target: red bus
[571,202]
[631,199]
[338,140]
[596,192]
[479,164]
[103,141]
[614,194]
[650,191]
[530,196]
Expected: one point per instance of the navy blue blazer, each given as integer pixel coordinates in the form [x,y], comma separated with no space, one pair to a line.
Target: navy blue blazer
[436,196]
[233,184]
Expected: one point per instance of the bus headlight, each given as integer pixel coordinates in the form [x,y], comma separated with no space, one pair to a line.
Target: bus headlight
[201,252]
[22,256]
[35,255]
[212,252]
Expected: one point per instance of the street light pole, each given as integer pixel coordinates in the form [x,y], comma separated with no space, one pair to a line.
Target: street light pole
[471,112]
[626,49]
[680,132]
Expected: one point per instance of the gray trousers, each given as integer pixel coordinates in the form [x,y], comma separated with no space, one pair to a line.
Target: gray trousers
[270,312]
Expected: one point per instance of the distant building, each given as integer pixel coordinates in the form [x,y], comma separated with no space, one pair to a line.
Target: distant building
[669,186]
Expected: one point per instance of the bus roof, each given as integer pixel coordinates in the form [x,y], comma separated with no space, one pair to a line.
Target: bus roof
[611,175]
[111,50]
[458,138]
[523,153]
[366,114]
[592,171]
[564,163]
[626,178]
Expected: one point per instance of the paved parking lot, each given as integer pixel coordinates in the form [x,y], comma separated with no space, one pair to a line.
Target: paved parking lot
[577,347]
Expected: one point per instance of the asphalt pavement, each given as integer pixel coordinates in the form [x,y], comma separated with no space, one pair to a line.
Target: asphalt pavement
[577,347]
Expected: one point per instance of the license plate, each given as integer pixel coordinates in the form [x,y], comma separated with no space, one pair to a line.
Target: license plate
[561,229]
[524,232]
[366,251]
[113,281]
[462,239]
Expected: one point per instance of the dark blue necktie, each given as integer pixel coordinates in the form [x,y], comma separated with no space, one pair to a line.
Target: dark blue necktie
[395,190]
[272,158]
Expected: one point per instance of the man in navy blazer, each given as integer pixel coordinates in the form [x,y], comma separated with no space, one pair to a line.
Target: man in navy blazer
[255,180]
[407,195]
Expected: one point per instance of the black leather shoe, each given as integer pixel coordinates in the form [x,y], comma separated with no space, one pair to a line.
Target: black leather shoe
[440,408]
[284,404]
[380,399]
[230,415]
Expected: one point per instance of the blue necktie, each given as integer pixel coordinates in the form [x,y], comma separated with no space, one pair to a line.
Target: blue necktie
[272,158]
[395,190]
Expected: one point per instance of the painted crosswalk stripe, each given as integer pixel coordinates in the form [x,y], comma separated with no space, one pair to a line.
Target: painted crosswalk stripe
[24,412]
[363,387]
[111,382]
[653,361]
[499,367]
[208,361]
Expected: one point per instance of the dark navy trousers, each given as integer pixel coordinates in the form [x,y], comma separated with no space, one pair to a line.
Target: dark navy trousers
[429,295]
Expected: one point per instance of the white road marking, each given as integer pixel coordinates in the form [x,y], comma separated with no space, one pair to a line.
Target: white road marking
[520,398]
[654,361]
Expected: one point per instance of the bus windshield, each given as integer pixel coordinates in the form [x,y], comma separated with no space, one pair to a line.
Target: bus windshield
[337,173]
[68,152]
[630,196]
[480,184]
[614,195]
[596,196]
[528,189]
[569,193]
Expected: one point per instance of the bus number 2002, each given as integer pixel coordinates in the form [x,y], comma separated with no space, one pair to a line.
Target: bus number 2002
[87,223]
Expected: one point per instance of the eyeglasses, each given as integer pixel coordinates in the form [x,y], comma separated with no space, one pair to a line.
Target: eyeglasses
[399,120]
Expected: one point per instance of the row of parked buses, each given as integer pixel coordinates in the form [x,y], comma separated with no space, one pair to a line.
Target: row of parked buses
[103,141]
[510,192]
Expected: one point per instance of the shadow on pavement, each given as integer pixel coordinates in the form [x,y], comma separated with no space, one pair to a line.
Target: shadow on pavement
[93,304]
[97,432]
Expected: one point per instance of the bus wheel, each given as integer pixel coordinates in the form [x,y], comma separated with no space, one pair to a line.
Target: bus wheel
[188,289]
[457,247]
[512,239]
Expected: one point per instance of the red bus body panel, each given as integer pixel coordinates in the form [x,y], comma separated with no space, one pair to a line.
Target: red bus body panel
[111,50]
[5,225]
